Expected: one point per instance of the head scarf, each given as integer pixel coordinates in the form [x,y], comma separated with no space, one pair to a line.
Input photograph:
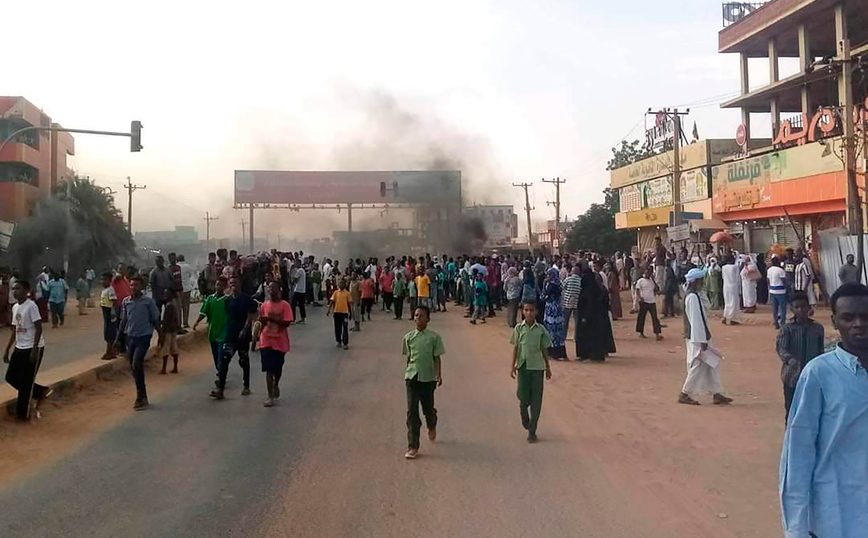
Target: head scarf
[554,275]
[512,273]
[695,274]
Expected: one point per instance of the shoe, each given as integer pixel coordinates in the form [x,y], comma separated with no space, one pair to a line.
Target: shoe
[720,399]
[45,396]
[432,433]
[411,454]
[217,394]
[473,322]
[268,403]
[686,400]
[642,335]
[531,438]
[245,391]
[141,403]
[175,371]
[346,346]
[338,344]
[659,337]
[276,392]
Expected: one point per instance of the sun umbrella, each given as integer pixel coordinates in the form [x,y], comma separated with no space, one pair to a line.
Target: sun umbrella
[721,237]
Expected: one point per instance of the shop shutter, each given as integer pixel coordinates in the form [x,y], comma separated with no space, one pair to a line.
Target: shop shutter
[786,237]
[761,239]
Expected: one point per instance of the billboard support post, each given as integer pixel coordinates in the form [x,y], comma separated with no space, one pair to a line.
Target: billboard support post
[349,217]
[252,244]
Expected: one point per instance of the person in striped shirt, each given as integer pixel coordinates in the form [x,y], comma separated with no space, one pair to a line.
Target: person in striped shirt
[570,298]
[797,344]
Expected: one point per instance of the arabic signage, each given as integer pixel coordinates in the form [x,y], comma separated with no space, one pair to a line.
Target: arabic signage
[7,230]
[823,121]
[648,217]
[694,185]
[679,233]
[658,192]
[692,156]
[662,134]
[630,198]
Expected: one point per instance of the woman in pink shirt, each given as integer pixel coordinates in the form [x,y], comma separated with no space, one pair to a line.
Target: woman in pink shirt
[275,315]
[367,289]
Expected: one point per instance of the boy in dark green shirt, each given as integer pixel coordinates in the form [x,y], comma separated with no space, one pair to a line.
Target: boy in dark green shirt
[423,349]
[530,362]
[214,309]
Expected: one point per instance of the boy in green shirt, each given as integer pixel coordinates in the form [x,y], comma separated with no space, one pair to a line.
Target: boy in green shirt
[423,349]
[530,362]
[214,308]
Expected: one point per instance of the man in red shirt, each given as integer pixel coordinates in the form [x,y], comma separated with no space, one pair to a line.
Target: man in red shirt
[387,289]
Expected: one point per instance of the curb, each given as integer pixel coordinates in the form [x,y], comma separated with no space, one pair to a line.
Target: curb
[101,372]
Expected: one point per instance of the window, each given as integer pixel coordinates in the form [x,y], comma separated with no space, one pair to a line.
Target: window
[19,173]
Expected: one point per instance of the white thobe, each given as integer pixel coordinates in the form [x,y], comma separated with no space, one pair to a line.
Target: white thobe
[731,286]
[702,377]
[748,286]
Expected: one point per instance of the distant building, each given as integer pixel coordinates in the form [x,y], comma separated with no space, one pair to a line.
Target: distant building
[180,236]
[33,163]
[500,222]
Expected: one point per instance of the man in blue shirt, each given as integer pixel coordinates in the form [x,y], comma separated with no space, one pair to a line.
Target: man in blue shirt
[824,464]
[139,318]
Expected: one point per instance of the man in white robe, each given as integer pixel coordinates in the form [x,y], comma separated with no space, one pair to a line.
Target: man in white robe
[749,276]
[731,286]
[703,361]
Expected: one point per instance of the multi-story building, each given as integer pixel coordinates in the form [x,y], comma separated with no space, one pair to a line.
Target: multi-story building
[645,190]
[785,191]
[500,222]
[32,164]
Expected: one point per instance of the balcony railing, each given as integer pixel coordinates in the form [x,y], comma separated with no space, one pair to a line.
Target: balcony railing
[736,11]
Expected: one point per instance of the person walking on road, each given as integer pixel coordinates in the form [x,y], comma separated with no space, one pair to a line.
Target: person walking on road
[186,289]
[82,293]
[731,286]
[160,279]
[356,296]
[480,298]
[110,307]
[241,312]
[572,291]
[29,349]
[299,291]
[139,318]
[530,363]
[367,291]
[168,332]
[553,317]
[646,288]
[824,463]
[214,310]
[399,290]
[703,362]
[275,315]
[750,275]
[797,344]
[58,293]
[339,307]
[423,350]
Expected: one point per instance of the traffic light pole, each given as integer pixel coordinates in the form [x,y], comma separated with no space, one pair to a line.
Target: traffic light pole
[135,133]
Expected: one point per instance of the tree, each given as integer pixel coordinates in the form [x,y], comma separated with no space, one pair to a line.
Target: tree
[595,229]
[79,223]
[628,153]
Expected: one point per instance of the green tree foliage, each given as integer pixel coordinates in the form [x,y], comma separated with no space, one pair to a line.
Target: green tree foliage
[628,153]
[79,223]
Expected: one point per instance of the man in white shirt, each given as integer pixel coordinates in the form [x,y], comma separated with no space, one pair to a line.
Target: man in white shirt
[647,288]
[29,348]
[188,280]
[299,291]
[777,278]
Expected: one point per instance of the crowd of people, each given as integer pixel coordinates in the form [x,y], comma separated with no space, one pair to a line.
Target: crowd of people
[250,301]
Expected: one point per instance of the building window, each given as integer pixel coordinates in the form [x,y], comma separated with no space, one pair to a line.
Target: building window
[31,138]
[19,173]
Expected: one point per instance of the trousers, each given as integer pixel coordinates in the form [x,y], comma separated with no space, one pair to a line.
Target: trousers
[228,351]
[137,349]
[298,300]
[21,374]
[419,392]
[342,327]
[530,395]
[644,309]
[399,306]
[779,308]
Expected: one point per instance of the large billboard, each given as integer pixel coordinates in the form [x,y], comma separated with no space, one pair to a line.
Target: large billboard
[428,187]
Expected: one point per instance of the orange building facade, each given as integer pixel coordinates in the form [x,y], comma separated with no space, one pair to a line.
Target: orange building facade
[31,164]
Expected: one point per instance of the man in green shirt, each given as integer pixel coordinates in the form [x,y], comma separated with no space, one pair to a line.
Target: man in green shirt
[530,362]
[423,349]
[214,309]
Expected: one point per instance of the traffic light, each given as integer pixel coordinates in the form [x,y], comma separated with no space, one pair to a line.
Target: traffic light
[382,189]
[136,136]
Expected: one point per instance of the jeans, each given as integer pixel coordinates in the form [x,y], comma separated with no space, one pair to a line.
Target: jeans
[137,348]
[228,351]
[530,395]
[388,296]
[512,312]
[298,300]
[669,303]
[779,308]
[419,392]
[216,352]
[342,328]
[644,309]
[57,312]
[21,374]
[479,312]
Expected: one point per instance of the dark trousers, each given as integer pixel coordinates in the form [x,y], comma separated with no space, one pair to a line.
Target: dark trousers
[57,312]
[342,328]
[388,297]
[20,375]
[228,351]
[512,311]
[298,300]
[414,302]
[669,303]
[216,352]
[367,304]
[789,392]
[530,395]
[419,392]
[137,348]
[399,307]
[644,309]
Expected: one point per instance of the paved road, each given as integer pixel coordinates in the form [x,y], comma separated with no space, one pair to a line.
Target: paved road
[328,460]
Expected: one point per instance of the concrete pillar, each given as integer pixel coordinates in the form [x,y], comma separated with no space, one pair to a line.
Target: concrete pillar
[774,76]
[745,89]
[805,58]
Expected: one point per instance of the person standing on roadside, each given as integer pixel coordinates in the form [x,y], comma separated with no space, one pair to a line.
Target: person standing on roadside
[275,315]
[797,344]
[367,290]
[110,307]
[731,287]
[139,318]
[572,291]
[703,362]
[399,290]
[530,364]
[849,272]
[299,291]
[423,350]
[778,292]
[58,293]
[159,279]
[660,258]
[824,462]
[513,286]
[210,274]
[241,312]
[82,293]
[40,293]
[29,348]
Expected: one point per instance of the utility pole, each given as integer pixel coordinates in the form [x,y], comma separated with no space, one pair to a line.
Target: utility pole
[130,190]
[208,219]
[676,158]
[243,231]
[557,203]
[527,210]
[854,200]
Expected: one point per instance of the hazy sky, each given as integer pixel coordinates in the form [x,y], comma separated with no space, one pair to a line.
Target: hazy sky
[518,90]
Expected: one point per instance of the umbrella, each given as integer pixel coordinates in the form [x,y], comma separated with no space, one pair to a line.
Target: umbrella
[721,237]
[480,268]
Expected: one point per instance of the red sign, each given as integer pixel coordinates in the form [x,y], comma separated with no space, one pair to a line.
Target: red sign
[824,119]
[741,135]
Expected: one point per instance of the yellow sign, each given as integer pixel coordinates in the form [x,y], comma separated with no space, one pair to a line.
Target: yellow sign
[658,216]
[694,155]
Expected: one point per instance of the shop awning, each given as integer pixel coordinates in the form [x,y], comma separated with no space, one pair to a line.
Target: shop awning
[708,224]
